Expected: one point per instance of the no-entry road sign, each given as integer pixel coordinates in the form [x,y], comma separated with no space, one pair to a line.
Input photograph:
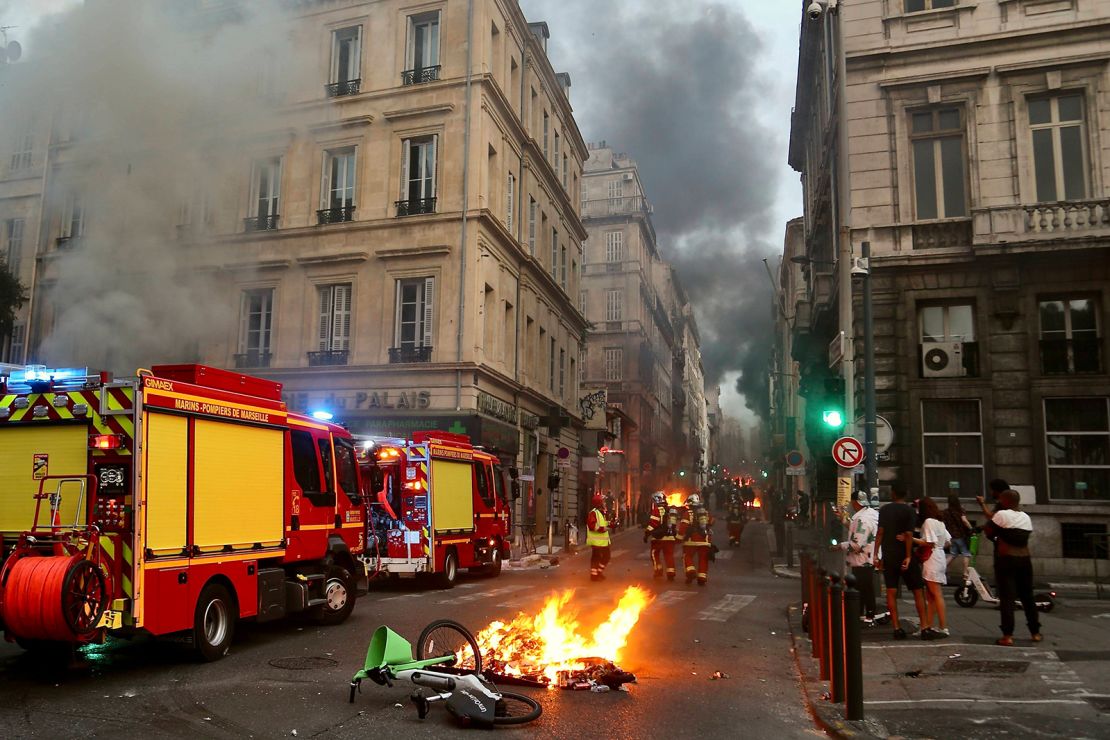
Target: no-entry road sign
[847,452]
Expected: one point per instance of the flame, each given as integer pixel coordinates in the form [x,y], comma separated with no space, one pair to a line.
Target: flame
[676,499]
[552,641]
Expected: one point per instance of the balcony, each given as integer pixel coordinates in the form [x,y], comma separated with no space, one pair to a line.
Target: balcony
[252,359]
[1043,222]
[327,357]
[940,234]
[261,223]
[339,89]
[416,207]
[67,242]
[622,206]
[420,75]
[335,215]
[1073,356]
[401,355]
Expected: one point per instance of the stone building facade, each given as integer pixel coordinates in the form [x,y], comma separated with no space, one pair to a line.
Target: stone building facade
[398,237]
[978,164]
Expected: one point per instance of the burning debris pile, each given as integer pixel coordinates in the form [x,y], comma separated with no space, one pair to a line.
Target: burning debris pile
[548,648]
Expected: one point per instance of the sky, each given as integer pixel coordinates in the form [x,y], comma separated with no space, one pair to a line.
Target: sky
[699,93]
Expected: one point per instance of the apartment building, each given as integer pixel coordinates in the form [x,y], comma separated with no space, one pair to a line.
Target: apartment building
[977,169]
[398,236]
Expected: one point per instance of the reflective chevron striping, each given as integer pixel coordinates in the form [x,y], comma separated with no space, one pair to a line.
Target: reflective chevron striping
[725,608]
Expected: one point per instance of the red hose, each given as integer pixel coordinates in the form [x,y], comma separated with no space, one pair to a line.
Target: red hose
[33,598]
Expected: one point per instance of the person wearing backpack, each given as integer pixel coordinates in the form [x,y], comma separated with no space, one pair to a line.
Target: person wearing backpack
[1013,567]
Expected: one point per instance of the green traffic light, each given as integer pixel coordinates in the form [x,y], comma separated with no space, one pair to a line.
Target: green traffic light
[833,418]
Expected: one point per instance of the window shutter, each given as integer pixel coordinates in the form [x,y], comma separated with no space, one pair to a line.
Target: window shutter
[356,56]
[324,335]
[435,165]
[406,152]
[429,294]
[341,332]
[275,187]
[325,189]
[244,320]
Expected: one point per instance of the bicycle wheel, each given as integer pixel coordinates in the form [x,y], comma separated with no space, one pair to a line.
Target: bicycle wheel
[448,637]
[516,709]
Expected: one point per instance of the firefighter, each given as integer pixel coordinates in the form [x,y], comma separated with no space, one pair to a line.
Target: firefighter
[662,529]
[597,537]
[736,519]
[696,533]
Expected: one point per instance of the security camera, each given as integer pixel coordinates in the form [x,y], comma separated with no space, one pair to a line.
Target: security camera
[815,10]
[861,267]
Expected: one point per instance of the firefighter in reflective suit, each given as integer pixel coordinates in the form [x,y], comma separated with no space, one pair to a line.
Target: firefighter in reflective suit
[597,537]
[662,530]
[736,519]
[696,532]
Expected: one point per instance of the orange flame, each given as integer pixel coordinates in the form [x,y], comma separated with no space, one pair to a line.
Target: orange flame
[551,641]
[676,499]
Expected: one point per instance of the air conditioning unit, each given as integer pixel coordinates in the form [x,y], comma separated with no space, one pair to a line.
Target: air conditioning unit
[942,360]
[627,177]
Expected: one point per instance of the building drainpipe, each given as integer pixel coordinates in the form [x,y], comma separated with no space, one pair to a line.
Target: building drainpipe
[465,202]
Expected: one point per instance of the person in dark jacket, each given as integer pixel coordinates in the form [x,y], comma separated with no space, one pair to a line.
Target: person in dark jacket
[1013,567]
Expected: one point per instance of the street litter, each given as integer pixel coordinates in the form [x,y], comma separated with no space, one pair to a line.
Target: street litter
[914,673]
[717,675]
[954,655]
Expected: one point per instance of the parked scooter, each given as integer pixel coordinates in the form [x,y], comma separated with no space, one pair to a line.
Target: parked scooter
[974,587]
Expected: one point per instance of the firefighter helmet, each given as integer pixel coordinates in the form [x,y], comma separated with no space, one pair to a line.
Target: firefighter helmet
[598,501]
[693,501]
[658,498]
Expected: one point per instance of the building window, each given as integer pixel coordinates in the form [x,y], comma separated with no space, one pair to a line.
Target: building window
[558,153]
[1070,342]
[1083,540]
[566,167]
[614,363]
[414,318]
[614,246]
[948,346]
[418,176]
[73,221]
[265,195]
[952,441]
[24,149]
[13,352]
[614,305]
[616,194]
[338,191]
[562,373]
[532,225]
[563,267]
[334,325]
[346,54]
[546,132]
[422,55]
[1059,151]
[938,163]
[510,201]
[1077,447]
[912,6]
[582,302]
[554,254]
[14,252]
[551,364]
[255,326]
[583,356]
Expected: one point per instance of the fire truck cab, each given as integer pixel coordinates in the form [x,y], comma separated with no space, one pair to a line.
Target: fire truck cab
[436,504]
[177,501]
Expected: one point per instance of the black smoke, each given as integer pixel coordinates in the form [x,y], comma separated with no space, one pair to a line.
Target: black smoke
[677,85]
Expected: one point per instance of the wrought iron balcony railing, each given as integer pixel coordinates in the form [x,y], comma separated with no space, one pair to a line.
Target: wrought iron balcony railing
[420,75]
[327,357]
[1075,356]
[261,223]
[67,242]
[335,215]
[416,207]
[252,359]
[398,355]
[932,235]
[339,89]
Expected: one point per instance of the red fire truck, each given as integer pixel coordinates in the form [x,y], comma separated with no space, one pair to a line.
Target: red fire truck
[436,504]
[176,501]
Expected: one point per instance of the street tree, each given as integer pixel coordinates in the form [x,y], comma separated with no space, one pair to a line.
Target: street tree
[13,294]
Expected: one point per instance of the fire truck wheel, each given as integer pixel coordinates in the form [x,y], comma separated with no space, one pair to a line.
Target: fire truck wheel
[214,622]
[493,569]
[450,573]
[339,596]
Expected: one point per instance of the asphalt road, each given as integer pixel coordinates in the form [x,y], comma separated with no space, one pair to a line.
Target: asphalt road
[735,625]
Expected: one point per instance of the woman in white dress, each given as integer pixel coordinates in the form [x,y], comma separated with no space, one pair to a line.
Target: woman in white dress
[933,532]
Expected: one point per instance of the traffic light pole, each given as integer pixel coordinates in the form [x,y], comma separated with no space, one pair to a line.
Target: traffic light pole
[869,430]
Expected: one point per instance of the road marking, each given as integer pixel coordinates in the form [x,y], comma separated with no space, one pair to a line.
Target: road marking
[673,597]
[484,594]
[725,608]
[418,594]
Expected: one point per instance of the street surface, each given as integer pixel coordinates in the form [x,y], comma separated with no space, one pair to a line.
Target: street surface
[735,625]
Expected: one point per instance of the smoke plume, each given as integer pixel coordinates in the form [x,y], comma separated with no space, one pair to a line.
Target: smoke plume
[677,86]
[146,104]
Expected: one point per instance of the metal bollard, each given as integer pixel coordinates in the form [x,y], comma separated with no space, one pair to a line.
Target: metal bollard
[853,654]
[836,644]
[823,622]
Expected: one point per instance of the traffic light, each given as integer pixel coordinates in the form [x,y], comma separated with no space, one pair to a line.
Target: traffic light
[682,472]
[832,404]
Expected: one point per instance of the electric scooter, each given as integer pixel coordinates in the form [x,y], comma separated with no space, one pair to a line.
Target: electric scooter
[974,587]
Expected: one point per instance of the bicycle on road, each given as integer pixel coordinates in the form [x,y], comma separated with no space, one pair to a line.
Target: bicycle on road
[457,680]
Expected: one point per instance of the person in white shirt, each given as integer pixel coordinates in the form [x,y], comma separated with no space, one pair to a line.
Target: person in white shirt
[934,536]
[1013,567]
[859,551]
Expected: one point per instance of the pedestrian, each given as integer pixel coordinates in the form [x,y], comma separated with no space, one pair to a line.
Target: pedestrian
[996,487]
[1013,566]
[934,536]
[597,538]
[803,508]
[859,551]
[735,519]
[662,531]
[895,559]
[696,532]
[623,517]
[956,522]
